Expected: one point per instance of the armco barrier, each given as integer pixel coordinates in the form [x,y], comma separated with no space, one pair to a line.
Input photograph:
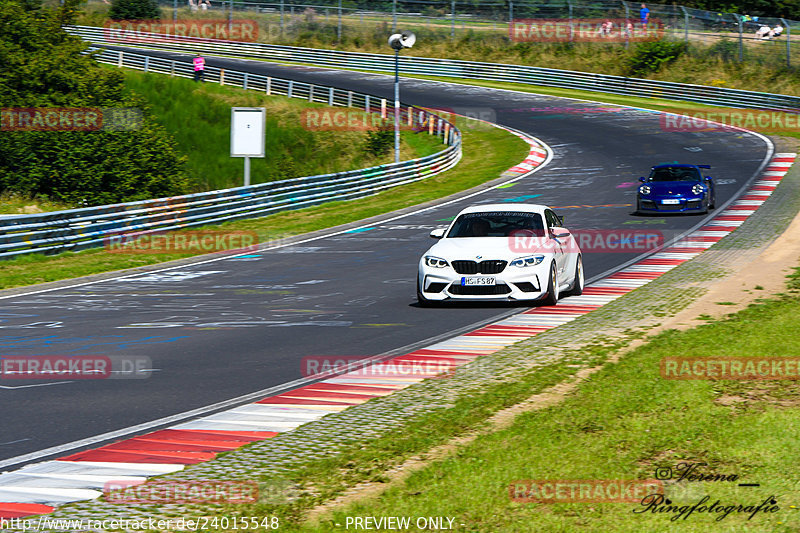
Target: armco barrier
[451,68]
[77,229]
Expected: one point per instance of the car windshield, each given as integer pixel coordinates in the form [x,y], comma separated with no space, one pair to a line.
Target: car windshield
[498,224]
[674,174]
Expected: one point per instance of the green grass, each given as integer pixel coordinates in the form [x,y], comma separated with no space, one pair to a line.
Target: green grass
[198,117]
[487,153]
[623,423]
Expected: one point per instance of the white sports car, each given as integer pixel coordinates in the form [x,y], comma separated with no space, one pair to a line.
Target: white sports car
[500,252]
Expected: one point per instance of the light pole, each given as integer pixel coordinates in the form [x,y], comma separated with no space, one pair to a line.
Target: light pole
[398,41]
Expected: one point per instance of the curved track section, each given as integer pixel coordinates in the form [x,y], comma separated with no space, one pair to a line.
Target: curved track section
[235,326]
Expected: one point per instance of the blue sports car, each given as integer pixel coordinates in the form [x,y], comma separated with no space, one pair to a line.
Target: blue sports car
[676,188]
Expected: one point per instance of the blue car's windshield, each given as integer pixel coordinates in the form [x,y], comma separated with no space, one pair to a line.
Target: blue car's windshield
[675,174]
[498,224]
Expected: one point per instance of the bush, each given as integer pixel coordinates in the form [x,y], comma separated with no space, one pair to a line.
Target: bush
[650,56]
[134,10]
[380,141]
[725,49]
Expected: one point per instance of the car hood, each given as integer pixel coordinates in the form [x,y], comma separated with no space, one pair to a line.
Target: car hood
[671,187]
[469,248]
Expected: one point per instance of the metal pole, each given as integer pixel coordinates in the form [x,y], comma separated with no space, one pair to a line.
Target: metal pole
[246,171]
[571,29]
[788,43]
[685,25]
[281,18]
[741,37]
[339,26]
[394,16]
[397,106]
[230,19]
[627,20]
[453,21]
[174,9]
[510,10]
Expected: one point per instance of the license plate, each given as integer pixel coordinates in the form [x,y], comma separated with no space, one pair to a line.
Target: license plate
[673,201]
[477,281]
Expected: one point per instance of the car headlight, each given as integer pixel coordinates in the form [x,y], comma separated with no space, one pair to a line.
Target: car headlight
[644,189]
[532,260]
[698,189]
[435,262]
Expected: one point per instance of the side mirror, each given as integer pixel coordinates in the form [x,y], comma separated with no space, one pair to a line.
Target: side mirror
[642,179]
[560,234]
[438,233]
[707,178]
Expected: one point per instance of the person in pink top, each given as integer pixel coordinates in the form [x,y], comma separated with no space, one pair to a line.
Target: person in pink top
[199,67]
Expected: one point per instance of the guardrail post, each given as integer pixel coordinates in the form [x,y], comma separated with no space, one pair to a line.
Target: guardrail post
[172,68]
[431,122]
[349,98]
[330,96]
[311,93]
[291,86]
[222,76]
[119,63]
[788,42]
[269,85]
[410,116]
[146,63]
[383,108]
[446,135]
[244,81]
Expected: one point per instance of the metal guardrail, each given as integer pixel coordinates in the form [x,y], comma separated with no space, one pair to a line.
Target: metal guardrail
[82,228]
[472,70]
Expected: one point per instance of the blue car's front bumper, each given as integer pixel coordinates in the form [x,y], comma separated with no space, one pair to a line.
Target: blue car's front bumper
[684,204]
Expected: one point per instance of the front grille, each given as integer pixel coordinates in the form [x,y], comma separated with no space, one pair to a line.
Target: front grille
[670,207]
[436,287]
[478,290]
[491,266]
[693,204]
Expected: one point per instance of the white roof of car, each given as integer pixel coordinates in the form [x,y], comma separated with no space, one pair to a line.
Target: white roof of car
[511,207]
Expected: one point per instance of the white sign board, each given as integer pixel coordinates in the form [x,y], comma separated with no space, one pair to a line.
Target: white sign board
[247,131]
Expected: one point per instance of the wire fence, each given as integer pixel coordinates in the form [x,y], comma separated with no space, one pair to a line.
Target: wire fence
[77,229]
[743,37]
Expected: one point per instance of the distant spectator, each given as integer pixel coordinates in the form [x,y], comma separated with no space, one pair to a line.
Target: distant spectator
[776,31]
[199,67]
[644,15]
[605,28]
[192,5]
[204,5]
[763,32]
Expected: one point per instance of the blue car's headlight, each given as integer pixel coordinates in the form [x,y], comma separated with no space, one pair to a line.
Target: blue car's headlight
[532,260]
[644,189]
[698,189]
[435,262]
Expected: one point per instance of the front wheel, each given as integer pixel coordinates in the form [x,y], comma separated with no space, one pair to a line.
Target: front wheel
[578,279]
[551,298]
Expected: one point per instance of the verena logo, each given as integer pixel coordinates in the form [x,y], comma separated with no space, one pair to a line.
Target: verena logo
[406,366]
[162,492]
[75,367]
[583,30]
[587,241]
[738,368]
[70,119]
[154,31]
[201,241]
[722,119]
[583,490]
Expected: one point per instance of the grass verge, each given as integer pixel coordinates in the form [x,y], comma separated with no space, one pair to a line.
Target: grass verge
[488,152]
